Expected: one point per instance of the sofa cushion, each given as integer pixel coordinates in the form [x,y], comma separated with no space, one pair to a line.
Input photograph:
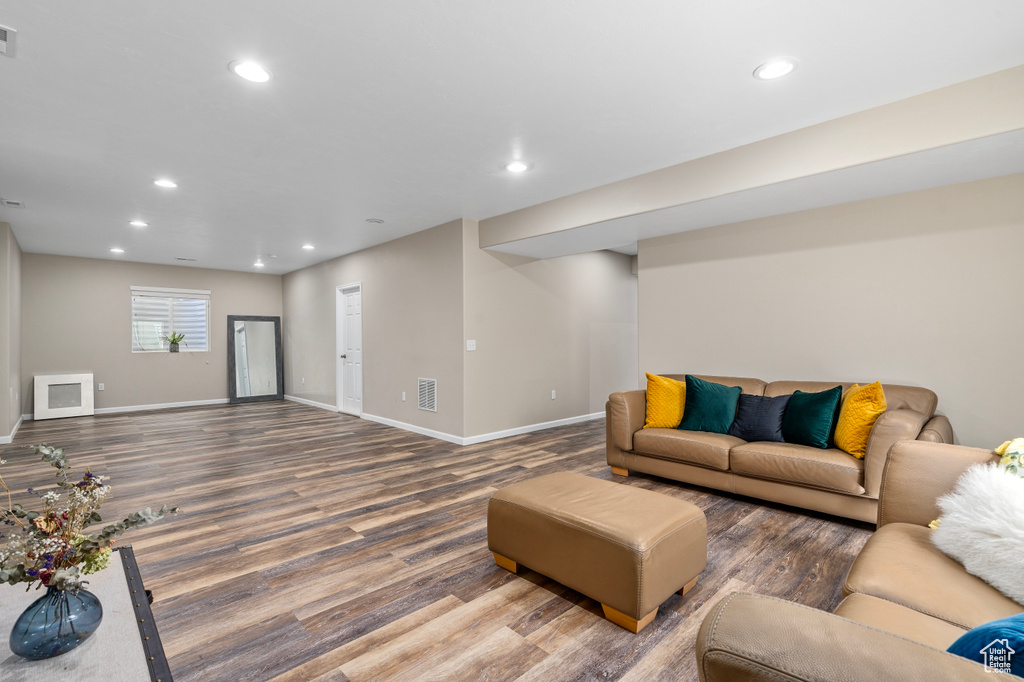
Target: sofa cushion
[759,418]
[748,384]
[899,620]
[709,406]
[896,397]
[693,447]
[899,563]
[810,417]
[790,463]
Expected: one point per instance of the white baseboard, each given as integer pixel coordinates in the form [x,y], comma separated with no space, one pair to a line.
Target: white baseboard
[153,406]
[473,440]
[415,429]
[4,440]
[160,406]
[311,403]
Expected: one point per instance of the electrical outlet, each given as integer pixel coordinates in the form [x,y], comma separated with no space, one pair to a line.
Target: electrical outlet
[303,381]
[403,396]
[552,394]
[100,387]
[471,344]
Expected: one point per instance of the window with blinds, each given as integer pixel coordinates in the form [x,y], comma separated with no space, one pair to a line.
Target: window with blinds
[158,312]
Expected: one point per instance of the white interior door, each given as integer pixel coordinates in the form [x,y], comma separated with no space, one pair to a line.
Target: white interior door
[350,349]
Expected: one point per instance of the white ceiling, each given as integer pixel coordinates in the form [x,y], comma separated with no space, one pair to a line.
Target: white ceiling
[408,111]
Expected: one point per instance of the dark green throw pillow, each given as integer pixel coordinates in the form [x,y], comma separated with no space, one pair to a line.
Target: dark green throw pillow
[810,417]
[709,406]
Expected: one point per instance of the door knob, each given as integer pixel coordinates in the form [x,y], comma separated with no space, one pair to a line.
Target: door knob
[343,356]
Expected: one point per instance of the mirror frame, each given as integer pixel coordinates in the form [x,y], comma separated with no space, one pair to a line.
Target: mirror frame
[232,388]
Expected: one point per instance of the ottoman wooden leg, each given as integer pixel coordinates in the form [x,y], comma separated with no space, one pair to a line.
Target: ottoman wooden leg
[628,622]
[505,562]
[688,586]
[619,471]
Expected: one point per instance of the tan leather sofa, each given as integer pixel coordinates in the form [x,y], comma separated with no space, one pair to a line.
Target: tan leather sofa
[905,601]
[830,481]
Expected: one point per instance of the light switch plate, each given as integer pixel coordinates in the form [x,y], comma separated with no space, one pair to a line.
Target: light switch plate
[471,344]
[100,387]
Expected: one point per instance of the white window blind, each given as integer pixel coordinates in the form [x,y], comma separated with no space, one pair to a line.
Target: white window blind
[159,312]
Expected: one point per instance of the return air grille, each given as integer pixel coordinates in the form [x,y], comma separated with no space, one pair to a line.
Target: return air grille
[7,41]
[428,394]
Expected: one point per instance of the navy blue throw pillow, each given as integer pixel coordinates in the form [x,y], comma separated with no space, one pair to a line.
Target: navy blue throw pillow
[759,418]
[998,645]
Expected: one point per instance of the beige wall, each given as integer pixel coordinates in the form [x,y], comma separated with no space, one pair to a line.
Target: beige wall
[412,327]
[77,318]
[921,288]
[10,330]
[567,324]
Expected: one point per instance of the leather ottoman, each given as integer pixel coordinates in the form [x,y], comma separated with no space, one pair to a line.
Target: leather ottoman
[625,547]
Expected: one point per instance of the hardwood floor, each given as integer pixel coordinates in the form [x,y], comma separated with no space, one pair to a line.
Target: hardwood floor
[317,546]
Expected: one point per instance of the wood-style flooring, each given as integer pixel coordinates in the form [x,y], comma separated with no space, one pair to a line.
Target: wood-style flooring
[317,546]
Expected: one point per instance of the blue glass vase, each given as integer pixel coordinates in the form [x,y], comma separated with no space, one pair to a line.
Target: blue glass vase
[56,623]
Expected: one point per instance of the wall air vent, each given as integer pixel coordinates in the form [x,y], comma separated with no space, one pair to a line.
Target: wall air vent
[428,394]
[187,260]
[7,41]
[11,203]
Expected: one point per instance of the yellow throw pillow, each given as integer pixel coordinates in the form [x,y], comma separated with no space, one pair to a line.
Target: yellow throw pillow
[862,406]
[665,401]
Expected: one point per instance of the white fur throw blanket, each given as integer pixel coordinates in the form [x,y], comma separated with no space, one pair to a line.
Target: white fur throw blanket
[982,527]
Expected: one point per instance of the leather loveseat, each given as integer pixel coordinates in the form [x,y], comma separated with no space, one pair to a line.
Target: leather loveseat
[829,480]
[905,601]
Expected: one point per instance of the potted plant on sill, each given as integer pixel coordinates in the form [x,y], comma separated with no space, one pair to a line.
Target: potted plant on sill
[173,340]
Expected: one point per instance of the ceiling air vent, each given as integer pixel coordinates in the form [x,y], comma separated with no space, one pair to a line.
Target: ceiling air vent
[11,203]
[428,394]
[7,41]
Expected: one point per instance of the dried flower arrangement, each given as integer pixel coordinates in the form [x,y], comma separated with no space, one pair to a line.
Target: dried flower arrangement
[50,547]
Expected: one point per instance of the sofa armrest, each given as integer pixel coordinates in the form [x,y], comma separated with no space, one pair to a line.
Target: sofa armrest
[627,412]
[937,430]
[892,426]
[917,473]
[760,638]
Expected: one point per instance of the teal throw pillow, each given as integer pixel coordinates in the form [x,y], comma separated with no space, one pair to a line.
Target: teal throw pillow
[998,645]
[709,406]
[810,417]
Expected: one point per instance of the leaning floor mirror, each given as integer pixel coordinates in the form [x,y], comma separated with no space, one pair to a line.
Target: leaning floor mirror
[255,360]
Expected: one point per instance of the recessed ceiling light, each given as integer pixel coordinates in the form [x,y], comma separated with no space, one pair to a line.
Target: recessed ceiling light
[375,221]
[775,68]
[139,223]
[164,182]
[116,250]
[258,264]
[308,247]
[250,71]
[516,167]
